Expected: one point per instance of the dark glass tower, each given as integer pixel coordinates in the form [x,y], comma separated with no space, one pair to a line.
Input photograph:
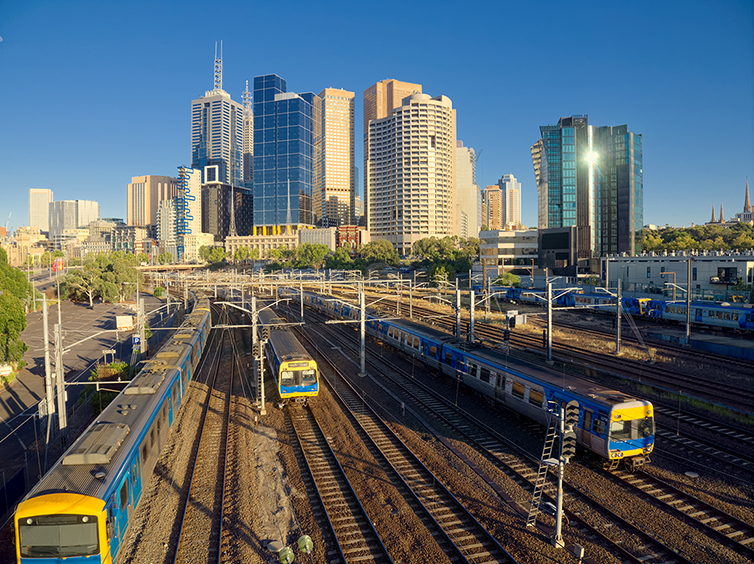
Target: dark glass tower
[591,178]
[282,155]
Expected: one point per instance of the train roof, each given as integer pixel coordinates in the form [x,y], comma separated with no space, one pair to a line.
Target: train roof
[549,377]
[96,459]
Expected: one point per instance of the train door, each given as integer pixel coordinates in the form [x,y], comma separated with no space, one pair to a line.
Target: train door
[586,429]
[500,388]
[136,483]
[698,317]
[122,506]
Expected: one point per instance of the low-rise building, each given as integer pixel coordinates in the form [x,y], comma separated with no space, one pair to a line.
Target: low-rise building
[506,251]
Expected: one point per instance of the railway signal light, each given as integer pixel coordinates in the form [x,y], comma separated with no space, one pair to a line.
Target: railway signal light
[255,349]
[265,333]
[506,335]
[568,447]
[512,322]
[572,413]
[568,439]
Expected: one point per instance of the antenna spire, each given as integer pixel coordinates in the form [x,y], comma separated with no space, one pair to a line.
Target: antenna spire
[246,97]
[219,67]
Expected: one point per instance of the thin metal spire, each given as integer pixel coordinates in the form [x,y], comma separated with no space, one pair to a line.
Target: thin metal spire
[246,97]
[232,227]
[219,67]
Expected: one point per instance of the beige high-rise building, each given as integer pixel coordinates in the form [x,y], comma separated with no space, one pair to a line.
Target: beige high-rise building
[411,172]
[468,195]
[379,100]
[511,191]
[493,208]
[333,179]
[39,208]
[143,196]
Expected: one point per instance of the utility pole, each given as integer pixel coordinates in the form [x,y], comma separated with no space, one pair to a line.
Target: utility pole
[618,318]
[60,381]
[688,303]
[362,333]
[471,316]
[458,313]
[549,323]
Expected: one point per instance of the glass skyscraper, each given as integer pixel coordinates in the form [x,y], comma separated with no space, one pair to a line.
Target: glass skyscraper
[283,138]
[591,178]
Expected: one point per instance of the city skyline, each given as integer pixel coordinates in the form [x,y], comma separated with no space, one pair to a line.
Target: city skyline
[659,80]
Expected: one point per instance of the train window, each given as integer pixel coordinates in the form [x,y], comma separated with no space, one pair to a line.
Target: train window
[448,358]
[143,452]
[587,419]
[536,398]
[719,314]
[124,495]
[151,437]
[135,471]
[598,426]
[518,390]
[433,351]
[726,315]
[484,374]
[711,313]
[734,315]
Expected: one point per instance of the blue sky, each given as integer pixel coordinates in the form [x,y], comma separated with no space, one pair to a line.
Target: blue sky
[95,92]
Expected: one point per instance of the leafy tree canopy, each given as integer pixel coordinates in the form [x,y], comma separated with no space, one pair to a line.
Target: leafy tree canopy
[700,238]
[380,250]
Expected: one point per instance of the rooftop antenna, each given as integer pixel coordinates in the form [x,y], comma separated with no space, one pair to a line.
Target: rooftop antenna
[219,67]
[246,97]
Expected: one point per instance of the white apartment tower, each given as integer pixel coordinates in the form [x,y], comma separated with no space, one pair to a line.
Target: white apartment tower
[334,172]
[39,208]
[511,189]
[468,194]
[412,172]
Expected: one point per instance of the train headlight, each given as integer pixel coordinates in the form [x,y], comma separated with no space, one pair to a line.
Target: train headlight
[85,519]
[29,521]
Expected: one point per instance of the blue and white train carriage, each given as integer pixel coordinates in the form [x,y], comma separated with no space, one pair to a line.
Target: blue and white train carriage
[80,510]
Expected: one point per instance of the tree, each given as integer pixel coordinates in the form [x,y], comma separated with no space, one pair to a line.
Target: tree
[86,280]
[339,260]
[165,258]
[241,254]
[311,255]
[217,254]
[380,250]
[12,324]
[508,279]
[204,251]
[142,257]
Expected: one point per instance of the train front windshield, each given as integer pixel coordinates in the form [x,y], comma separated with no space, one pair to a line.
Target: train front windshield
[626,430]
[58,536]
[305,377]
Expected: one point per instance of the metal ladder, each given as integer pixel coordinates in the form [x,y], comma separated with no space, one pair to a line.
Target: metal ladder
[541,481]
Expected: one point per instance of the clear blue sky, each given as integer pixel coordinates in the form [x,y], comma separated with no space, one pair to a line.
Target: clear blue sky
[95,92]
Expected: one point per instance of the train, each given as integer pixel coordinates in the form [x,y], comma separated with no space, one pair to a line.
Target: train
[615,426]
[739,317]
[294,370]
[81,508]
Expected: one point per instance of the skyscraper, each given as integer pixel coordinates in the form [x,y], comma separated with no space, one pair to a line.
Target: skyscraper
[511,201]
[334,167]
[379,100]
[143,196]
[468,195]
[217,131]
[411,172]
[493,208]
[39,208]
[283,139]
[591,178]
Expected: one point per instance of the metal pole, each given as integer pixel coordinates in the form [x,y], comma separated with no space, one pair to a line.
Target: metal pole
[142,328]
[458,314]
[60,381]
[471,316]
[688,303]
[617,319]
[410,298]
[301,296]
[549,322]
[558,538]
[362,334]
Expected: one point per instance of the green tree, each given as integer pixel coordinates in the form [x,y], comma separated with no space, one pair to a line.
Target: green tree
[12,324]
[339,260]
[311,255]
[217,254]
[86,281]
[204,251]
[142,257]
[379,251]
[165,258]
[241,254]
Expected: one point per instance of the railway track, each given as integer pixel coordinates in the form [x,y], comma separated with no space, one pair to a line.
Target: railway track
[200,534]
[463,534]
[523,469]
[356,538]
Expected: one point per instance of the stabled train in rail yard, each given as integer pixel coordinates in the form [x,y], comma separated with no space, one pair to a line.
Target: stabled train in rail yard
[80,510]
[738,317]
[613,425]
[294,370]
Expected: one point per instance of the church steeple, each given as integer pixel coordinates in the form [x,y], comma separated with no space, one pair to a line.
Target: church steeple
[747,205]
[722,217]
[713,220]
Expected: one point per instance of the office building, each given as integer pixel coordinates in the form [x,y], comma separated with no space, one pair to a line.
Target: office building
[39,208]
[411,168]
[283,139]
[333,163]
[227,211]
[143,196]
[511,201]
[247,154]
[590,178]
[217,132]
[492,208]
[380,100]
[468,195]
[70,214]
